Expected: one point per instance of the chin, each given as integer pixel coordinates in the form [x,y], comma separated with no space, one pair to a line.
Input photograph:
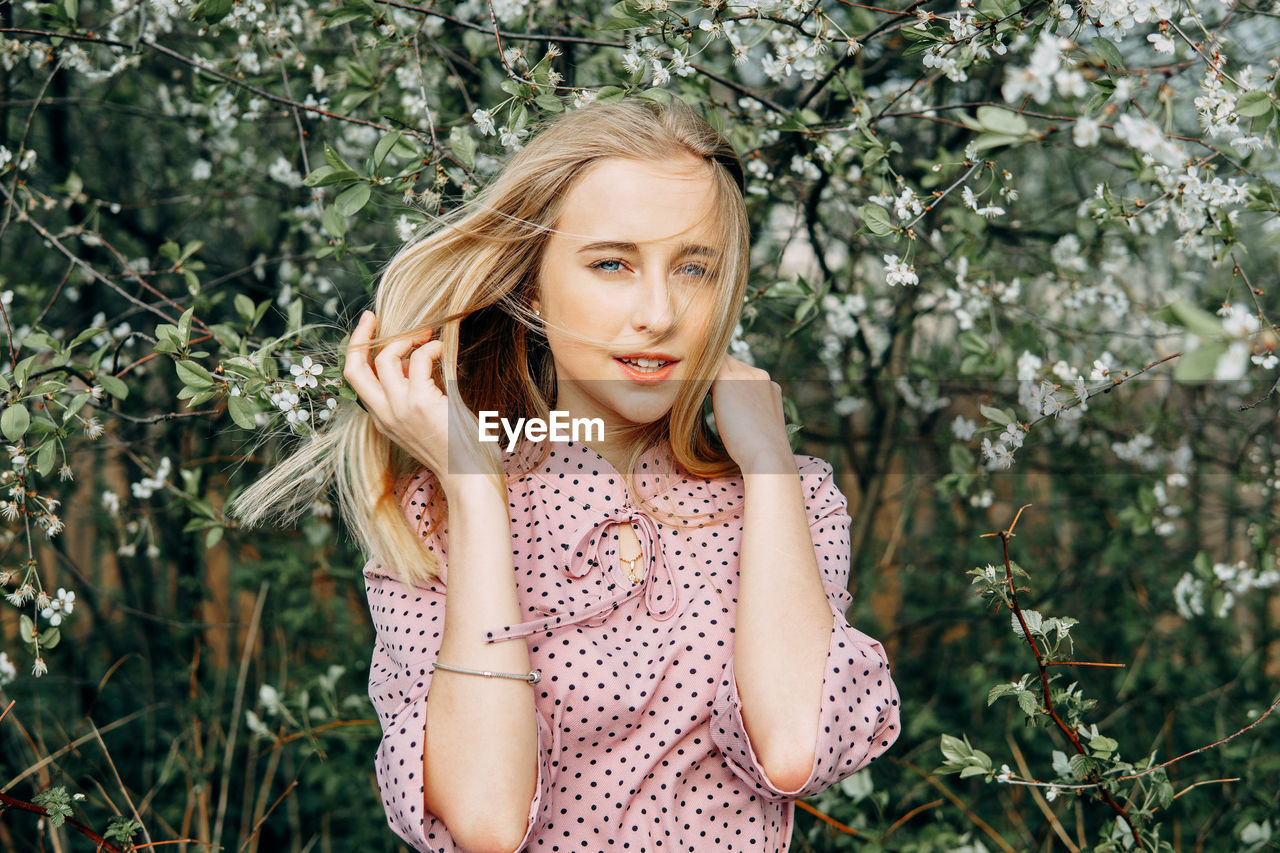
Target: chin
[635,411]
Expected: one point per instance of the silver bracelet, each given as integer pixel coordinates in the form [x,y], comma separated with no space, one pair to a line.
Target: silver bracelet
[533,677]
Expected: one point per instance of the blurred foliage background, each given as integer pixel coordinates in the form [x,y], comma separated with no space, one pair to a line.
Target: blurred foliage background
[1003,254]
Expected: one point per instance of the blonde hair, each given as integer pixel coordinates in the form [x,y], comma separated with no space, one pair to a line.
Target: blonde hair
[471,280]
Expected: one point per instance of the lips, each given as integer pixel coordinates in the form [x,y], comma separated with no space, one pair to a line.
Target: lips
[646,368]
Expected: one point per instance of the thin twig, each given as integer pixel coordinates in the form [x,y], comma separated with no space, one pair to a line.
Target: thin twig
[1041,803]
[120,782]
[906,817]
[1081,663]
[227,754]
[830,821]
[1204,782]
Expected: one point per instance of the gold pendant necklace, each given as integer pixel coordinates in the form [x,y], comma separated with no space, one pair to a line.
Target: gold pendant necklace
[629,566]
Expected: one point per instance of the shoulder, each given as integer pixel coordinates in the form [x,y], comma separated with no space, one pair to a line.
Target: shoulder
[417,493]
[416,487]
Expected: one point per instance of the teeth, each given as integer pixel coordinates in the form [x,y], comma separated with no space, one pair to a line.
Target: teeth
[649,364]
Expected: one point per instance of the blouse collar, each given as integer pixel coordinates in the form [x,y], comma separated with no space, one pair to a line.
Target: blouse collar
[589,563]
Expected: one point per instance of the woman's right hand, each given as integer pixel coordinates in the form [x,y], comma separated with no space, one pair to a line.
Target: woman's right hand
[407,405]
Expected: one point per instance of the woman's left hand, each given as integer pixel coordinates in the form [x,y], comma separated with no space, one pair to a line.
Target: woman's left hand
[749,416]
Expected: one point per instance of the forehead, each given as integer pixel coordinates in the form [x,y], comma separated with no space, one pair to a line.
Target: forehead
[642,201]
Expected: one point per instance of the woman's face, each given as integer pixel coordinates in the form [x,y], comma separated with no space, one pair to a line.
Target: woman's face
[628,270]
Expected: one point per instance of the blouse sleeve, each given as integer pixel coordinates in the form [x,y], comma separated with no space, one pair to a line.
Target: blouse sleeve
[409,621]
[859,713]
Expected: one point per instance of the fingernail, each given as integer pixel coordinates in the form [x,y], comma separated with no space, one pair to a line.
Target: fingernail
[364,315]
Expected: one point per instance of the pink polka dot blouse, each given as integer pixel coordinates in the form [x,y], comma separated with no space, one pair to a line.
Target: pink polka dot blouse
[641,738]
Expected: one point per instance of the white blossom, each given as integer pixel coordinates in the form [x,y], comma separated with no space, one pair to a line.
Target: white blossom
[899,272]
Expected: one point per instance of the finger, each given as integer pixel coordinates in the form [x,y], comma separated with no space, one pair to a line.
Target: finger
[357,371]
[422,365]
[390,367]
[417,342]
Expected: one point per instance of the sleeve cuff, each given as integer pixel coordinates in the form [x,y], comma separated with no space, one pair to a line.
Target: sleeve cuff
[857,722]
[399,774]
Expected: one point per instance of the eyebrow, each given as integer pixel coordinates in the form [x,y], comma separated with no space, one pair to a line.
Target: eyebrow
[625,246]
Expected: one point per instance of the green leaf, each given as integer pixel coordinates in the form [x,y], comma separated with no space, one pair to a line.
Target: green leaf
[877,220]
[961,460]
[57,804]
[24,367]
[193,374]
[337,163]
[995,415]
[344,16]
[1027,702]
[464,147]
[1199,322]
[609,93]
[122,829]
[972,342]
[384,146]
[350,200]
[113,385]
[1108,51]
[986,141]
[1103,745]
[14,422]
[1200,363]
[954,749]
[1002,121]
[316,175]
[39,340]
[333,222]
[1000,690]
[1255,102]
[211,10]
[77,403]
[662,96]
[184,325]
[82,337]
[244,307]
[325,176]
[549,102]
[242,412]
[45,458]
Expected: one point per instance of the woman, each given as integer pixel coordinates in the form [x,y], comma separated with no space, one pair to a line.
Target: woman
[633,640]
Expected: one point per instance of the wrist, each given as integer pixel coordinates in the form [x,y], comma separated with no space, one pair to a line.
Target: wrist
[769,461]
[472,489]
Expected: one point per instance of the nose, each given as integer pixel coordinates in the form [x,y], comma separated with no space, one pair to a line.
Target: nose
[654,311]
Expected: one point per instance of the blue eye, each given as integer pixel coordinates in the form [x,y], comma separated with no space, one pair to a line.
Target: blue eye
[600,265]
[694,269]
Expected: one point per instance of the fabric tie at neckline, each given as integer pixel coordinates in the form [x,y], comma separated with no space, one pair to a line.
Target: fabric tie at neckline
[591,554]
